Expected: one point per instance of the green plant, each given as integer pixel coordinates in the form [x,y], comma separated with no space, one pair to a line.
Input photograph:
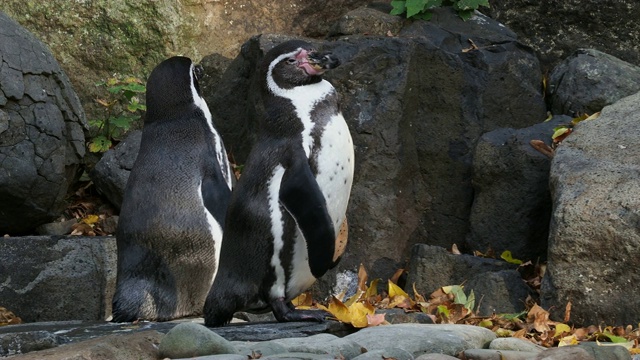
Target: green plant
[122,107]
[421,9]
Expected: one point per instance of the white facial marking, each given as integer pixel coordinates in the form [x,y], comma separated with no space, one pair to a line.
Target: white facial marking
[277,231]
[221,155]
[216,232]
[302,97]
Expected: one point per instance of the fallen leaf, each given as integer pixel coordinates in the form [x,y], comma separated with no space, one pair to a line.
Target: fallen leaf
[454,250]
[539,318]
[568,340]
[506,256]
[375,319]
[362,278]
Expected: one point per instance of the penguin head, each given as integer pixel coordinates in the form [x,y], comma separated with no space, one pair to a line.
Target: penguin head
[172,86]
[295,63]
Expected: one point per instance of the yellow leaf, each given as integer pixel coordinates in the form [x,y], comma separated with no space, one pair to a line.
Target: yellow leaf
[339,310]
[372,290]
[91,219]
[358,313]
[350,301]
[395,290]
[486,323]
[303,299]
[568,340]
[562,328]
[559,132]
[506,256]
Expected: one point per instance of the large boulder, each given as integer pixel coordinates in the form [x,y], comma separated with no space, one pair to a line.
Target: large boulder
[416,105]
[58,278]
[588,80]
[41,131]
[512,203]
[555,29]
[594,241]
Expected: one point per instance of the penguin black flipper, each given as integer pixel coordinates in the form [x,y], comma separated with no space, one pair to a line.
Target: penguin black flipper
[303,199]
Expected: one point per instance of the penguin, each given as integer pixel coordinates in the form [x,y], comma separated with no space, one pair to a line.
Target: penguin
[174,205]
[286,222]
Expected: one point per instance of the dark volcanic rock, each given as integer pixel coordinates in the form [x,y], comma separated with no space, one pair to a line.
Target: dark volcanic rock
[58,278]
[589,80]
[497,282]
[594,237]
[41,132]
[555,29]
[512,202]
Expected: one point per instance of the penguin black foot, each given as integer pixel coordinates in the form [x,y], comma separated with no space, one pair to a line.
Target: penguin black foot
[285,312]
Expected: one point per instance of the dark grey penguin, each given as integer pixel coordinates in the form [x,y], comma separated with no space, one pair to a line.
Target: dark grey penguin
[289,205]
[170,225]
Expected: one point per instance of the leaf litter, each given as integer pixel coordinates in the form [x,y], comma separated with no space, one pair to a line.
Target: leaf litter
[452,305]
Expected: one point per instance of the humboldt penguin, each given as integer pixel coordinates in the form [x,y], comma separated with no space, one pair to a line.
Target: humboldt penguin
[174,206]
[288,207]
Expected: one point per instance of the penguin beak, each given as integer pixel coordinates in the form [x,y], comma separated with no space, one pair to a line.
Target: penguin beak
[314,63]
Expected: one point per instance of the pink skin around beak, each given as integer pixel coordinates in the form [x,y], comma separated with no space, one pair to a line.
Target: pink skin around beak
[303,62]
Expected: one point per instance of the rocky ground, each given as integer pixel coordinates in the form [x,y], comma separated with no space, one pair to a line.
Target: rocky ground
[270,340]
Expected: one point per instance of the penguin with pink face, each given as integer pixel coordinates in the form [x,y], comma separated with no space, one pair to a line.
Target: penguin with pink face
[289,206]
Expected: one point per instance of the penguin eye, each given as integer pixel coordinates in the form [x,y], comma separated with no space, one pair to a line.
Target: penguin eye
[291,60]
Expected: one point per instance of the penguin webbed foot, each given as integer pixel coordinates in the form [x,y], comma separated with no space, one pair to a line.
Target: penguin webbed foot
[285,311]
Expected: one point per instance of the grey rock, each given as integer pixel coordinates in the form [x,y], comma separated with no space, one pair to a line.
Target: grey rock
[322,344]
[512,201]
[495,281]
[140,346]
[556,29]
[435,357]
[367,21]
[189,339]
[615,352]
[300,356]
[111,173]
[502,291]
[589,80]
[391,353]
[515,344]
[41,132]
[58,278]
[56,228]
[593,237]
[491,354]
[16,343]
[420,339]
[414,126]
[565,352]
[217,357]
[262,348]
[399,316]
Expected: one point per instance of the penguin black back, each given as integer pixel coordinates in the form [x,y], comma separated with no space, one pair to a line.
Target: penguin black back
[170,226]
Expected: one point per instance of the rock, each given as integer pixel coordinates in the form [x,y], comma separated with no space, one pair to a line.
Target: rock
[367,21]
[399,316]
[262,348]
[496,282]
[103,37]
[189,339]
[322,344]
[420,339]
[58,278]
[512,202]
[56,228]
[599,352]
[556,29]
[565,352]
[300,356]
[594,238]
[111,173]
[139,346]
[435,357]
[515,344]
[16,343]
[414,126]
[589,80]
[392,353]
[218,357]
[490,354]
[41,132]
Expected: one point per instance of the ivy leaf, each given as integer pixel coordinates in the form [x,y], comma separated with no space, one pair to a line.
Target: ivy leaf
[399,7]
[414,7]
[506,256]
[465,14]
[121,122]
[99,144]
[471,4]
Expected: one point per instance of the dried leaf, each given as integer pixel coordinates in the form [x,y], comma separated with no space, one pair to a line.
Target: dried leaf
[362,278]
[358,314]
[375,319]
[568,340]
[396,276]
[539,318]
[567,312]
[454,250]
[562,329]
[339,310]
